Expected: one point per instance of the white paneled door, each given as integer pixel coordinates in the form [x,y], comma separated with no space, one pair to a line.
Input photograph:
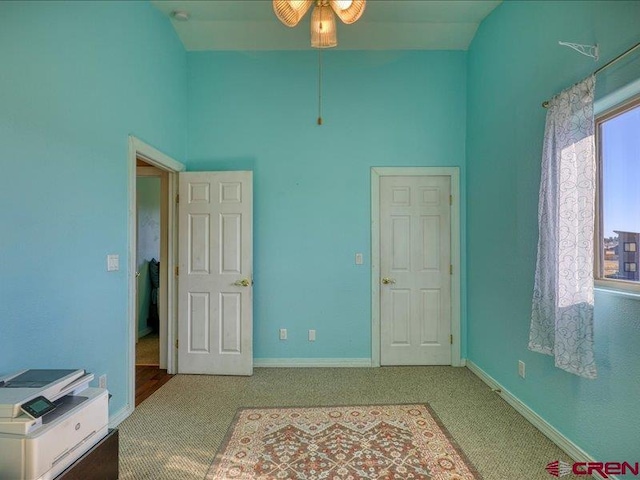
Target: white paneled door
[415,280]
[215,317]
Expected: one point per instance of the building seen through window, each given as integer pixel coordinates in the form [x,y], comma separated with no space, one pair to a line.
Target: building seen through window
[619,199]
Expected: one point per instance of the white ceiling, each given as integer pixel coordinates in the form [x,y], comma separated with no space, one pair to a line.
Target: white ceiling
[385,25]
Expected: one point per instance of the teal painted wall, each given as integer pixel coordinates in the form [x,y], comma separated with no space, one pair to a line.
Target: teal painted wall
[514,64]
[148,242]
[257,111]
[77,78]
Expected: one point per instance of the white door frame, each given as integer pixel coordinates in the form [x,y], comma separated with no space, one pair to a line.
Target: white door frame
[139,149]
[454,174]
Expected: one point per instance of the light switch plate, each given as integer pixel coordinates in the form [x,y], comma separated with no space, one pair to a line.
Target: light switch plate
[113,263]
[359,259]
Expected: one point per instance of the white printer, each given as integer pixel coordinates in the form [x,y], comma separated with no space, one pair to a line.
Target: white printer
[48,419]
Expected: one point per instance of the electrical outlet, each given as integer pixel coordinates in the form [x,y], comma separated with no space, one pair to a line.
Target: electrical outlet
[521,368]
[359,259]
[283,334]
[312,335]
[103,381]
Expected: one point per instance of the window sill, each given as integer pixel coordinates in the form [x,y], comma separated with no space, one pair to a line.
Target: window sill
[619,289]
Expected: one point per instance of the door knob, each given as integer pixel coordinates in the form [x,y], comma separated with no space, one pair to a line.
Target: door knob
[388,281]
[242,283]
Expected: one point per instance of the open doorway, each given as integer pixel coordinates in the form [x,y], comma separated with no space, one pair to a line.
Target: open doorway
[152,197]
[168,288]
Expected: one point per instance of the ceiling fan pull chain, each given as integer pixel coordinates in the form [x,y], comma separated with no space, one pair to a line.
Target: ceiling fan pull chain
[319,87]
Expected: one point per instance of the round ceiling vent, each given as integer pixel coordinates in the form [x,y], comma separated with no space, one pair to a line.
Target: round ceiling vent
[180,15]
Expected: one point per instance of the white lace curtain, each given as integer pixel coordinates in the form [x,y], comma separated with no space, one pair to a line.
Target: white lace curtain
[562,312]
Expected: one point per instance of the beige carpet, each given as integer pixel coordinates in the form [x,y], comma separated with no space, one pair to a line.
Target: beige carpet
[148,350]
[176,432]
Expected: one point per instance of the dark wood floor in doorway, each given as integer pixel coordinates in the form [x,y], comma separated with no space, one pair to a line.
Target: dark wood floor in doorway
[148,380]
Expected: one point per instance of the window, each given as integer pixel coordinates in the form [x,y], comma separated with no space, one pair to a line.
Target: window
[618,207]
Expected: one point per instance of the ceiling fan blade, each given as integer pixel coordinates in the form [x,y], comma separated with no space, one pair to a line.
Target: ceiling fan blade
[290,12]
[350,14]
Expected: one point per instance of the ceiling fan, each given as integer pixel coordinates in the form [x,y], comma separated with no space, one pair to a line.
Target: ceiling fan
[323,22]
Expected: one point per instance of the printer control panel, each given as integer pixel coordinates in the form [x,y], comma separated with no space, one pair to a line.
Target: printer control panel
[37,407]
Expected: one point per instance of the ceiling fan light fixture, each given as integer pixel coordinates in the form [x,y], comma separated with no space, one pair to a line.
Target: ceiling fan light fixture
[323,27]
[349,11]
[343,4]
[290,12]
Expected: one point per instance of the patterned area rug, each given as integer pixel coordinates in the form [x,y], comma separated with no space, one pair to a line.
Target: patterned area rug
[381,442]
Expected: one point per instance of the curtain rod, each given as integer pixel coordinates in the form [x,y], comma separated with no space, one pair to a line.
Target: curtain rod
[545,104]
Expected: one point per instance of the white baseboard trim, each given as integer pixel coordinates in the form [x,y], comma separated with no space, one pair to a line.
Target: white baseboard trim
[311,362]
[570,448]
[118,417]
